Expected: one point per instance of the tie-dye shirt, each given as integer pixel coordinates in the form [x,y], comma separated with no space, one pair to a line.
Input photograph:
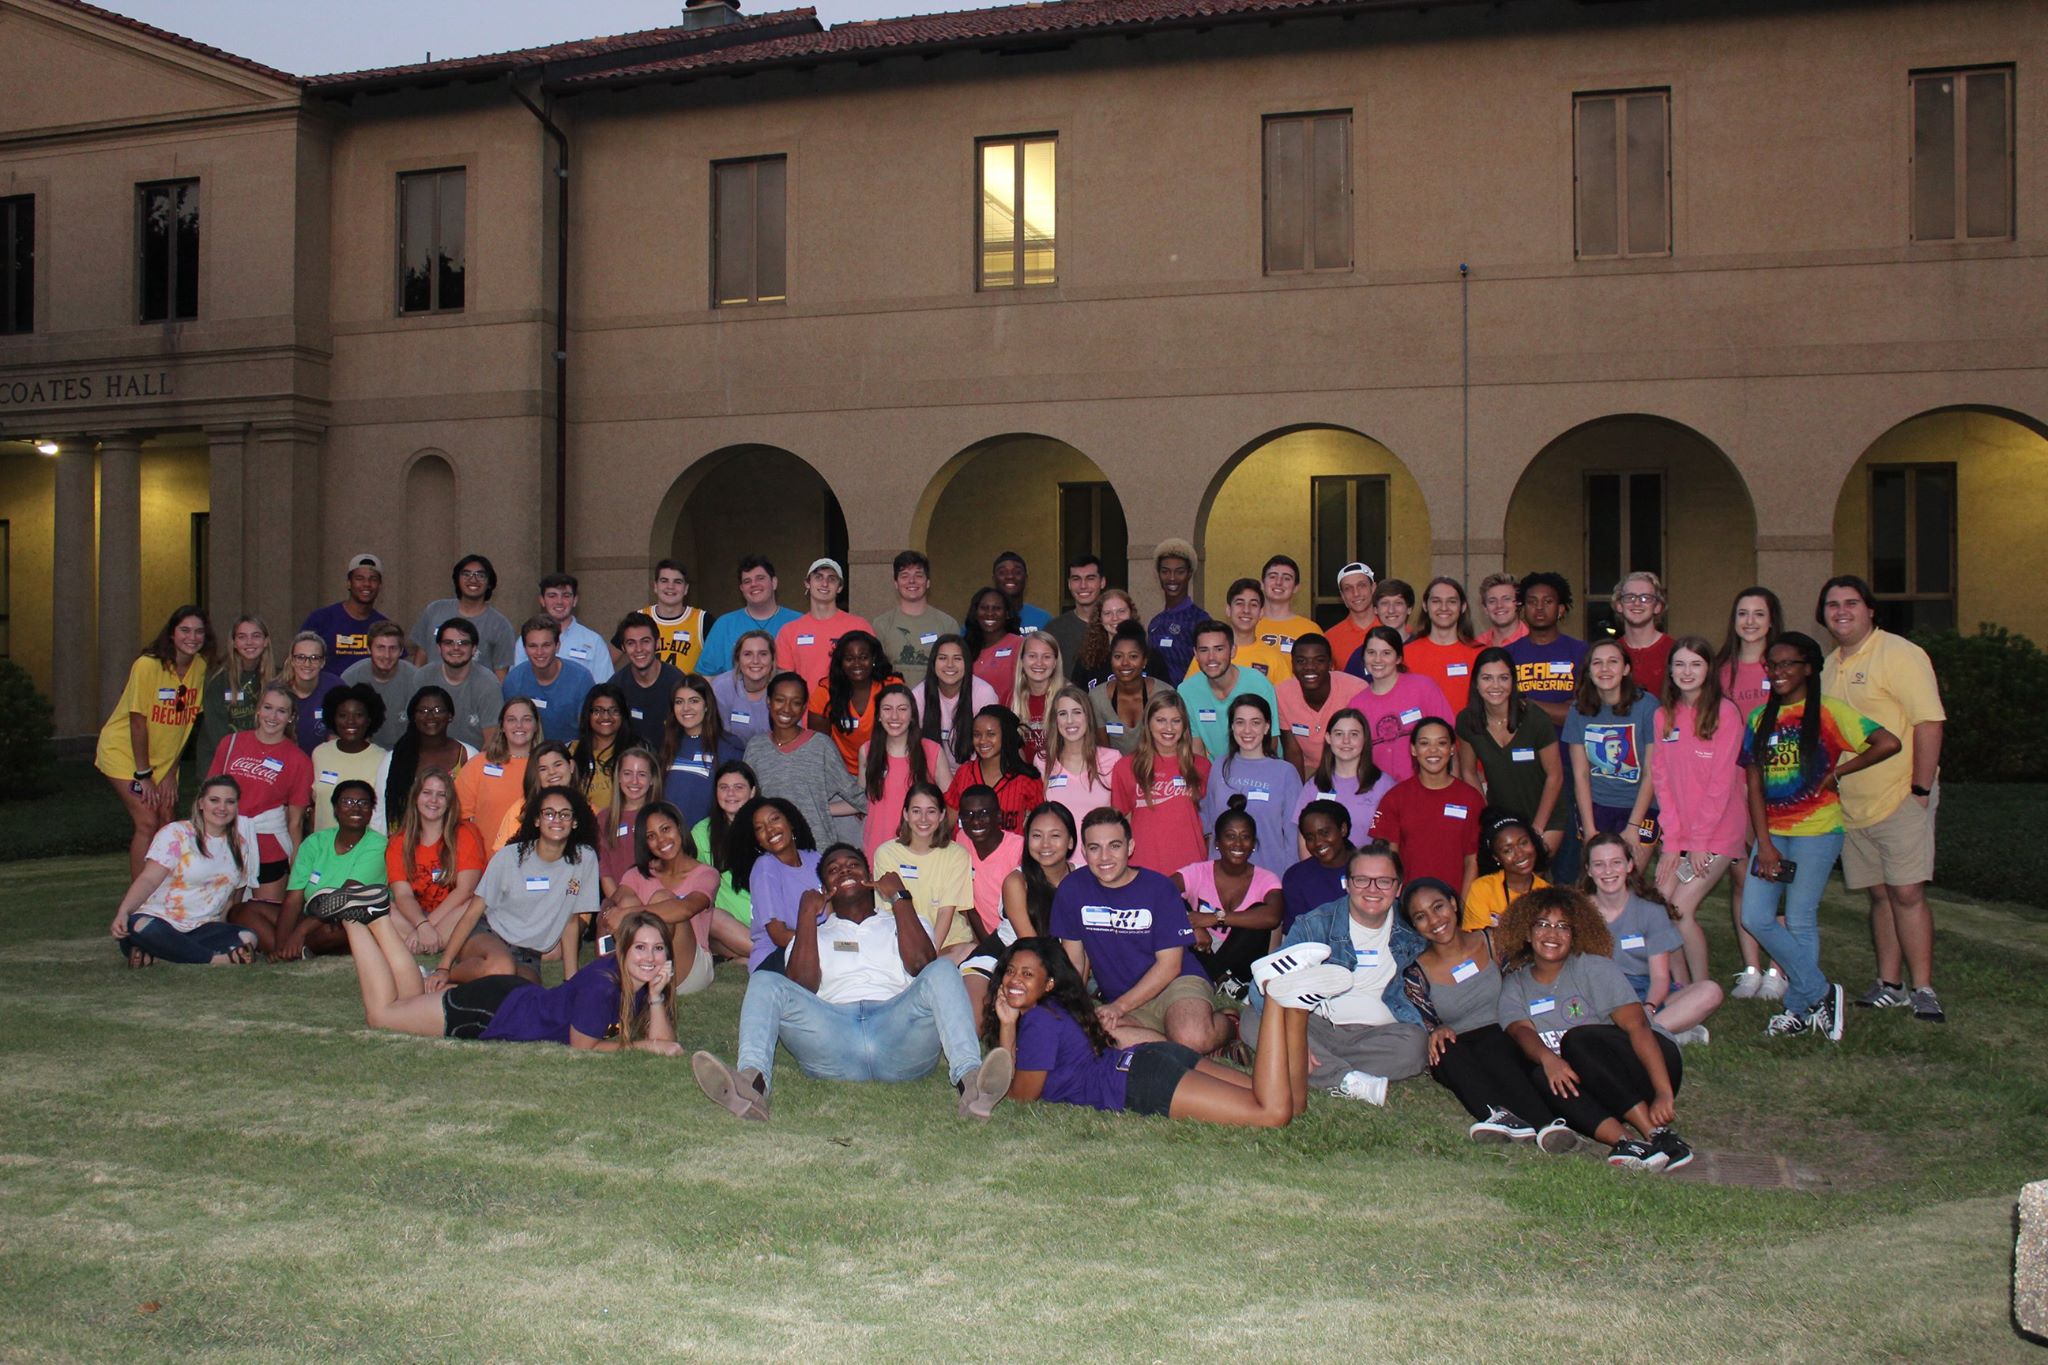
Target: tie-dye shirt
[1794,800]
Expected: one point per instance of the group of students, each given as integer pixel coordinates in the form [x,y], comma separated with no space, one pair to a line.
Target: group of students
[1103,846]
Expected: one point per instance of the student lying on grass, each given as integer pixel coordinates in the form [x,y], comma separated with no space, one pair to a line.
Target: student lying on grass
[624,1000]
[1042,1013]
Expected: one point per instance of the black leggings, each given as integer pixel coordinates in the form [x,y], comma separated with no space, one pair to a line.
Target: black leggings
[1233,961]
[1612,1080]
[1485,1070]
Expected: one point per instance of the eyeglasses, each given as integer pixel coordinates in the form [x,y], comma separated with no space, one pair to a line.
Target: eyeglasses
[1556,926]
[309,658]
[609,712]
[555,815]
[472,573]
[1372,883]
[1783,665]
[432,708]
[355,800]
[1635,599]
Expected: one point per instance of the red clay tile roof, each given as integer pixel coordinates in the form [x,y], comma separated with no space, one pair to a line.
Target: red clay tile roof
[1053,18]
[179,40]
[576,49]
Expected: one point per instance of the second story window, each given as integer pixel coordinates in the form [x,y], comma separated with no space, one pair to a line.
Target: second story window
[1015,223]
[749,241]
[1962,155]
[167,247]
[1307,193]
[1621,173]
[432,216]
[18,265]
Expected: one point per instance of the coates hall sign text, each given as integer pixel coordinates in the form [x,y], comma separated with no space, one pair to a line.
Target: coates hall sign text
[107,386]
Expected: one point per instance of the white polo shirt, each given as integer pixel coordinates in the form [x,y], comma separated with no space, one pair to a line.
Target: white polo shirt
[860,962]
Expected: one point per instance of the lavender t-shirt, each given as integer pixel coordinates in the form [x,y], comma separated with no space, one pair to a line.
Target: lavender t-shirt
[1122,928]
[587,1002]
[776,890]
[1049,1040]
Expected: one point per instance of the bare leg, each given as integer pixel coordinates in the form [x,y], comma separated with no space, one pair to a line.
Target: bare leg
[729,936]
[1270,1101]
[145,819]
[482,955]
[1685,898]
[260,918]
[1193,1024]
[1689,1005]
[1913,929]
[1884,935]
[382,1006]
[1297,1057]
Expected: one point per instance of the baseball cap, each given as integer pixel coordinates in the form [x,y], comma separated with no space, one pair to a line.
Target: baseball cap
[1356,568]
[363,562]
[831,564]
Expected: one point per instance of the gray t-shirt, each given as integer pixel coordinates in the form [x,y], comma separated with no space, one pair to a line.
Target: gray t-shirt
[811,777]
[1470,999]
[907,640]
[497,645]
[396,692]
[528,902]
[478,699]
[1642,930]
[1588,990]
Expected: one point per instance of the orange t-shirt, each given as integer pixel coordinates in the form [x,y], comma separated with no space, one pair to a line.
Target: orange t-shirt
[487,790]
[469,857]
[1450,665]
[861,724]
[1346,638]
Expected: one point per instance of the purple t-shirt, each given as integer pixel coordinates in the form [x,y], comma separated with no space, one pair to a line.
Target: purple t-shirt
[347,638]
[1049,1040]
[1306,886]
[587,1002]
[777,889]
[1172,633]
[1548,673]
[1390,719]
[1122,928]
[311,729]
[1362,806]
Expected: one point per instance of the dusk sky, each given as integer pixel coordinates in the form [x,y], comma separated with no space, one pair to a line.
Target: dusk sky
[309,39]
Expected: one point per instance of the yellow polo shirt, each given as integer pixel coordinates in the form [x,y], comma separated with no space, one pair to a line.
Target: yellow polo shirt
[1890,680]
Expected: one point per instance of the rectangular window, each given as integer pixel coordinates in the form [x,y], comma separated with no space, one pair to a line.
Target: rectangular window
[18,283]
[1308,193]
[1347,523]
[749,244]
[1624,534]
[1015,223]
[1091,522]
[202,553]
[432,230]
[1622,173]
[167,242]
[6,589]
[1913,546]
[1962,155]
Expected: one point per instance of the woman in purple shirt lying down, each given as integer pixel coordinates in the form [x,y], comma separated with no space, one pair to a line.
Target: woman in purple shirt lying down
[623,1000]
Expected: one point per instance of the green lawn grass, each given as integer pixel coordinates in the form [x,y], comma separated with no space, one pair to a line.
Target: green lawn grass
[224,1164]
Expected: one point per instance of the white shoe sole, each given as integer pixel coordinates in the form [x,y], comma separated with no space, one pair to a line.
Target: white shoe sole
[1288,960]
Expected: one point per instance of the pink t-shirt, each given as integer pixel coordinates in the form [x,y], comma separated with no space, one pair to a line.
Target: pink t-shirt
[804,646]
[1081,792]
[1746,686]
[702,881]
[1308,724]
[1198,881]
[885,813]
[271,776]
[1702,803]
[1390,719]
[988,876]
[979,694]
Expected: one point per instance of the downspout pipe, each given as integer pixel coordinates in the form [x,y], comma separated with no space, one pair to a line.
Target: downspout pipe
[561,557]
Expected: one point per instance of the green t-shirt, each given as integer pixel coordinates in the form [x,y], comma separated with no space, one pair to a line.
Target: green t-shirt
[317,867]
[730,898]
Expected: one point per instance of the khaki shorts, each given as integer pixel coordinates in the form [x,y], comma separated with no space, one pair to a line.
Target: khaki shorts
[1896,851]
[699,975]
[1152,1014]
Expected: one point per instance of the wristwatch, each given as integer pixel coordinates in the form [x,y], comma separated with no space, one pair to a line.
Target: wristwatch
[1919,790]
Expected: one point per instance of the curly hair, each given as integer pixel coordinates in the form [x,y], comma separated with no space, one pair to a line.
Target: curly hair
[1068,991]
[1589,932]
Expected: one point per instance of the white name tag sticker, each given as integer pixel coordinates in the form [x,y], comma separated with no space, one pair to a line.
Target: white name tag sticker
[1166,643]
[1457,670]
[1544,1005]
[1114,728]
[1055,783]
[1522,755]
[740,717]
[1004,653]
[494,770]
[1464,971]
[275,765]
[228,697]
[580,653]
[1562,670]
[314,877]
[1631,941]
[1286,644]
[328,779]
[1454,811]
[845,945]
[907,871]
[637,714]
[1258,796]
[167,694]
[807,639]
[536,883]
[1412,716]
[541,702]
[930,637]
[1299,729]
[1369,958]
[1207,717]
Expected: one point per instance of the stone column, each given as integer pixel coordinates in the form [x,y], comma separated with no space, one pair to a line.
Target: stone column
[72,675]
[282,546]
[227,528]
[120,604]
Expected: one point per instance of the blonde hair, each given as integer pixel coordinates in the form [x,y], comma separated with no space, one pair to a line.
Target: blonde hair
[1020,688]
[1147,755]
[1055,748]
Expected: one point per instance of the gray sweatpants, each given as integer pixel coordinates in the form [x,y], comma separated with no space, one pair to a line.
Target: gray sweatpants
[1396,1051]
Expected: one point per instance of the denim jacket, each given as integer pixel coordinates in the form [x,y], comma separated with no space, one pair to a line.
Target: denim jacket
[1331,924]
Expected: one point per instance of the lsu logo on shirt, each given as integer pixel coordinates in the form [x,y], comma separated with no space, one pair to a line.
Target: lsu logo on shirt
[1111,919]
[358,643]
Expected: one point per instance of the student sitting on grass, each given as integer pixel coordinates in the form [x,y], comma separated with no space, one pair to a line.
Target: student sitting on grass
[351,853]
[1644,940]
[1523,859]
[1455,983]
[1042,1014]
[864,997]
[1587,1039]
[623,1000]
[196,873]
[533,895]
[677,889]
[1234,904]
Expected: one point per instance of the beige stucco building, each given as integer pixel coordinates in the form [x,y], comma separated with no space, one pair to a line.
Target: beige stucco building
[1749,292]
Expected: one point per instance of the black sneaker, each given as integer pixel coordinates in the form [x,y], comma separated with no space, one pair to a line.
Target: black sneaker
[1673,1148]
[350,903]
[1826,1017]
[1635,1155]
[1500,1125]
[1927,1006]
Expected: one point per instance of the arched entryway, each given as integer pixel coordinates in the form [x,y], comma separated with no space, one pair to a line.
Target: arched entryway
[1322,495]
[1633,492]
[747,500]
[1904,503]
[1029,493]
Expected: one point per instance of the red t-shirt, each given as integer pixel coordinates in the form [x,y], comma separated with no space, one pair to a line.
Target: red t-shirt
[1016,794]
[1650,663]
[270,776]
[1450,665]
[469,857]
[804,646]
[1434,830]
[1166,828]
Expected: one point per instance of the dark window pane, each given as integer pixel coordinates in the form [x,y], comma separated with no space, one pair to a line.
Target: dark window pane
[416,243]
[18,285]
[1934,158]
[770,240]
[1649,216]
[1603,533]
[1330,201]
[186,234]
[1330,513]
[1888,530]
[1987,183]
[1286,164]
[1645,524]
[155,266]
[1934,493]
[450,246]
[1596,170]
[734,247]
[1369,533]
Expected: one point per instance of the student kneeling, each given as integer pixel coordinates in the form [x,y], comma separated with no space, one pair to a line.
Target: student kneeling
[864,997]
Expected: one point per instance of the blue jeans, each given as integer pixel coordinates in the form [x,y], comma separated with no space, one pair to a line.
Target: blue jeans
[898,1039]
[1795,943]
[166,942]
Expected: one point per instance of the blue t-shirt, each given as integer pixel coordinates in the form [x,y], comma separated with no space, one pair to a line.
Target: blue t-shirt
[347,638]
[1123,928]
[1307,886]
[1548,673]
[724,637]
[1049,1040]
[1616,744]
[560,703]
[1030,618]
[582,645]
[687,784]
[587,1002]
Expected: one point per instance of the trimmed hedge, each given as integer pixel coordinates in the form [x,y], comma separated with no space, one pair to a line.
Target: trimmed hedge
[1992,686]
[27,726]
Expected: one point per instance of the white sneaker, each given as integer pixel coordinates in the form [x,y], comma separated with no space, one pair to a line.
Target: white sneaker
[1774,985]
[1307,988]
[1696,1036]
[1361,1085]
[1749,983]
[1288,960]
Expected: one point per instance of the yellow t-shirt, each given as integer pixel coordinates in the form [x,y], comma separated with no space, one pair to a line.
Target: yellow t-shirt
[1282,631]
[1890,680]
[171,705]
[938,878]
[1487,901]
[680,642]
